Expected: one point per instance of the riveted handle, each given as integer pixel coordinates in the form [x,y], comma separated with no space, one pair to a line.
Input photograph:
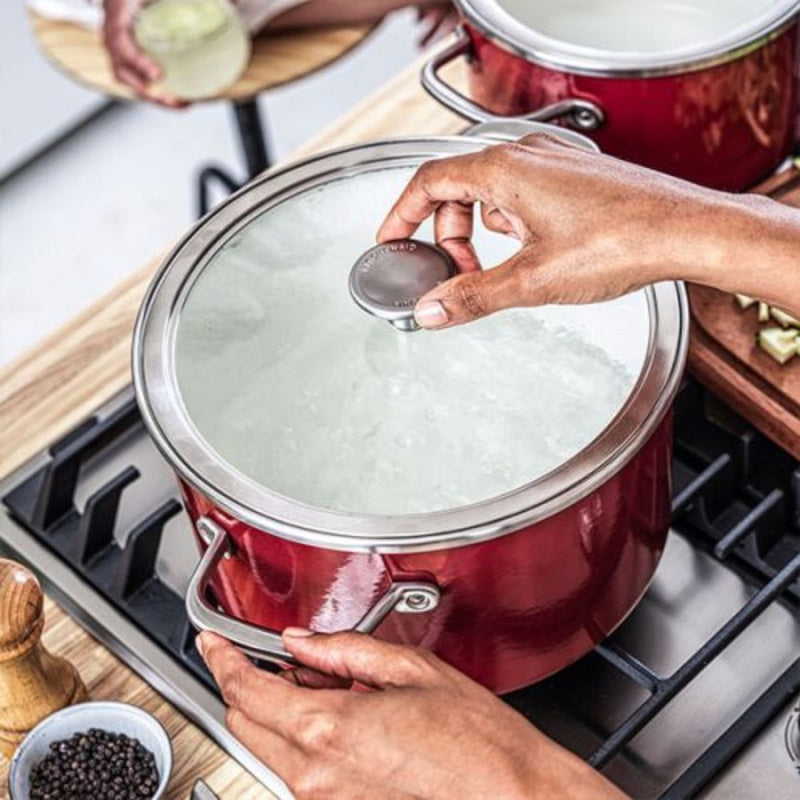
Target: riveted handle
[582,115]
[405,597]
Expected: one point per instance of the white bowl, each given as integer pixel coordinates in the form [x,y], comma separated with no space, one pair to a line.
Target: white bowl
[108,716]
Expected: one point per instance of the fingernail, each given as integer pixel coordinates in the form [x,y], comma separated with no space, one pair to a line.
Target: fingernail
[198,643]
[297,633]
[431,314]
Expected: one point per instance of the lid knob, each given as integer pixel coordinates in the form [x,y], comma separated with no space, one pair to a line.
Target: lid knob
[388,279]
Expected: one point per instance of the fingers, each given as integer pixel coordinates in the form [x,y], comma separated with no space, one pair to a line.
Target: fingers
[488,176]
[130,64]
[361,658]
[128,56]
[311,679]
[453,232]
[161,99]
[264,697]
[477,294]
[138,76]
[436,182]
[495,220]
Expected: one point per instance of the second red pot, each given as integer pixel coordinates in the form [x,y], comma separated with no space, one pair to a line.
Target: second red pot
[715,105]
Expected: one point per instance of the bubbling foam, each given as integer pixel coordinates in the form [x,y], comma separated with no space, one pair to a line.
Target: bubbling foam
[300,390]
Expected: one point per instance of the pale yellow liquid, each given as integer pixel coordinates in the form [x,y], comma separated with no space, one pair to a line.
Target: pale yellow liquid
[201,45]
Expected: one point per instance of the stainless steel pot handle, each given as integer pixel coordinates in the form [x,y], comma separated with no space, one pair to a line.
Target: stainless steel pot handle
[411,597]
[583,115]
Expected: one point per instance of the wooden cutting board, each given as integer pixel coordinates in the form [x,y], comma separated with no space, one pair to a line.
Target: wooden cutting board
[724,356]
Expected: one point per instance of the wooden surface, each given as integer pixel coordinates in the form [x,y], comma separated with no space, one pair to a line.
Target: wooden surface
[68,374]
[724,355]
[33,682]
[107,678]
[276,59]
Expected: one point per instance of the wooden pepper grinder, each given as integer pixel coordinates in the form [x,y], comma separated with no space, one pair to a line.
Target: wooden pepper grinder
[33,683]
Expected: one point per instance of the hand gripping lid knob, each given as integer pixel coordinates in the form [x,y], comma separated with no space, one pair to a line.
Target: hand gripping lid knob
[388,279]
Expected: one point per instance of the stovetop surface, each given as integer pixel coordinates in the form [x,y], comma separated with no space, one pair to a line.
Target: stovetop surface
[692,696]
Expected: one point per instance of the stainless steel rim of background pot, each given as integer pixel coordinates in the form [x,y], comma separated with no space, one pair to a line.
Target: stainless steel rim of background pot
[507,33]
[174,433]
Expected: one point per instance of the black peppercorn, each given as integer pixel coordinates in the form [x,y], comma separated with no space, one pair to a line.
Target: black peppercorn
[95,765]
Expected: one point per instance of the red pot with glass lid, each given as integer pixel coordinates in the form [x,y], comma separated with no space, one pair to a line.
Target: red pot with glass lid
[702,89]
[497,492]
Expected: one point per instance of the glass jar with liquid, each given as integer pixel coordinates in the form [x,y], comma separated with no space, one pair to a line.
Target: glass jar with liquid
[202,46]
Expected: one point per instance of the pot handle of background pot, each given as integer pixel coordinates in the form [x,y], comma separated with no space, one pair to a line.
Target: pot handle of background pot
[582,115]
[405,597]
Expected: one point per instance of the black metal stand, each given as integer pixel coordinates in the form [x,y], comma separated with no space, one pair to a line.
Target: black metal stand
[254,151]
[251,136]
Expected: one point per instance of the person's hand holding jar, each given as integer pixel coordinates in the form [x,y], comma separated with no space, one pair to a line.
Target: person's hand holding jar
[138,70]
[130,64]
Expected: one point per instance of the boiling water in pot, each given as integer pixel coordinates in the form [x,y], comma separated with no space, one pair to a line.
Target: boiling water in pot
[635,25]
[303,392]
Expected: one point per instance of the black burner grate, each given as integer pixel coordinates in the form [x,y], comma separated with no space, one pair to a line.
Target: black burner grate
[125,576]
[737,496]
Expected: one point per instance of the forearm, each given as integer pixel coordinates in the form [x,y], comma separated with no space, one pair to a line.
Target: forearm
[559,769]
[750,245]
[319,13]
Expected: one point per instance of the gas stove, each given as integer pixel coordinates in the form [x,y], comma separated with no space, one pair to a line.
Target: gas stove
[695,695]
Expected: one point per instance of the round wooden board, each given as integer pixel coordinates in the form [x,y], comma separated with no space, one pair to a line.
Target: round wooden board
[276,59]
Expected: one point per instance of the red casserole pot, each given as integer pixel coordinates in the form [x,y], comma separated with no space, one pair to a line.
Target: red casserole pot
[509,586]
[718,109]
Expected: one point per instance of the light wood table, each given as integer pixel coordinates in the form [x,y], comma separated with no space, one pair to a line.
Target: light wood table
[59,382]
[277,58]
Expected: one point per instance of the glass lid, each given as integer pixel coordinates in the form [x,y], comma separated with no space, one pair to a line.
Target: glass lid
[273,392]
[295,386]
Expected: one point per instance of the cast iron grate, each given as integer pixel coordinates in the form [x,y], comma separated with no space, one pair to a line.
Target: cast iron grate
[736,495]
[124,576]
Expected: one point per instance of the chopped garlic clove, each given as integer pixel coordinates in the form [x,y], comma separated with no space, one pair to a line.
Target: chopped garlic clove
[744,301]
[763,312]
[779,343]
[787,320]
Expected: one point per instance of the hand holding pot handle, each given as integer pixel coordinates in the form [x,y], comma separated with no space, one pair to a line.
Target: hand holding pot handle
[420,729]
[590,228]
[405,597]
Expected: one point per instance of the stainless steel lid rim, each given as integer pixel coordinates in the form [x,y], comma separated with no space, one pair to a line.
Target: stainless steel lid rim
[514,37]
[438,540]
[233,492]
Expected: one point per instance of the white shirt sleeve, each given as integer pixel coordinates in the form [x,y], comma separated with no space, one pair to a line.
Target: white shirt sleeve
[257,13]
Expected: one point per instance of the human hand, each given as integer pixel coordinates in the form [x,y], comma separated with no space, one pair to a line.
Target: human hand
[423,730]
[590,228]
[438,19]
[130,64]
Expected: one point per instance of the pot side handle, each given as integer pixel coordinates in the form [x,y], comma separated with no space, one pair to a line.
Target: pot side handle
[582,115]
[405,597]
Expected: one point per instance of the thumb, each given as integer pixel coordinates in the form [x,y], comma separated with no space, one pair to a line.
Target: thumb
[473,295]
[358,657]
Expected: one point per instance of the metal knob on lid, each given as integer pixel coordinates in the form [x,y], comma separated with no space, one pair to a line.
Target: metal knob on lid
[388,279]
